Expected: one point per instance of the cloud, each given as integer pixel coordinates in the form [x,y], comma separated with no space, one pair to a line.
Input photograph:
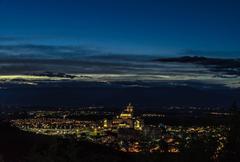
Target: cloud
[46,51]
[28,58]
[193,52]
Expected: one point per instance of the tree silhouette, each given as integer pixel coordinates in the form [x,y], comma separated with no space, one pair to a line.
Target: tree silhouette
[231,151]
[199,149]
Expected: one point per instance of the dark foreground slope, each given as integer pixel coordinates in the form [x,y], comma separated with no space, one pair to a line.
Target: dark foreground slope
[16,146]
[19,146]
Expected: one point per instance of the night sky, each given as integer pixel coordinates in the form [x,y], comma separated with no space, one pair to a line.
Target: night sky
[125,26]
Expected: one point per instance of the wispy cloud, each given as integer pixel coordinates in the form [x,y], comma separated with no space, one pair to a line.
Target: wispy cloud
[193,52]
[46,51]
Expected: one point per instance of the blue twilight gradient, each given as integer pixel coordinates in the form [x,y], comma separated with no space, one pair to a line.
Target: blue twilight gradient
[125,26]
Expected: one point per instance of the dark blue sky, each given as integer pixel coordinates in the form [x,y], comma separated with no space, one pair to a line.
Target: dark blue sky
[125,26]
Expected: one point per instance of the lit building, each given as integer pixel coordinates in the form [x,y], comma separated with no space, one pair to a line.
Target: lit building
[126,119]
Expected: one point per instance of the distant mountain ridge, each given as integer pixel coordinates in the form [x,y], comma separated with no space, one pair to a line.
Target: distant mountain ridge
[204,61]
[229,66]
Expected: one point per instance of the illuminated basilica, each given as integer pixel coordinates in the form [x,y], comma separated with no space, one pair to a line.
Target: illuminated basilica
[126,119]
